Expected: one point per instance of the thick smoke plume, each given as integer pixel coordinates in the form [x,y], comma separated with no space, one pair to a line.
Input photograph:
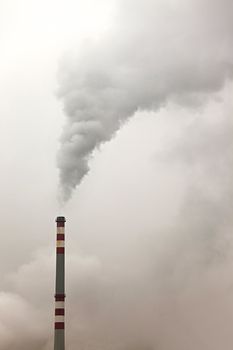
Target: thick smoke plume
[149,238]
[151,267]
[155,52]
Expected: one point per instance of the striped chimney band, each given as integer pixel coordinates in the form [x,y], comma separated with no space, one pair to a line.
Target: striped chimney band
[59,324]
[59,311]
[60,237]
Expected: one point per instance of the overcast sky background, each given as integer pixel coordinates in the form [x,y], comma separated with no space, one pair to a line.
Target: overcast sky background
[149,229]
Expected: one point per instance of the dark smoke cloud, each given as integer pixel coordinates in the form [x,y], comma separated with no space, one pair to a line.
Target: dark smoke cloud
[156,51]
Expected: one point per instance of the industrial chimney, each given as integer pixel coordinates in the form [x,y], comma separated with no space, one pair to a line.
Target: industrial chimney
[59,331]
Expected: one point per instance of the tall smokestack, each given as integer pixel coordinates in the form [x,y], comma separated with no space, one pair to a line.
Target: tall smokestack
[59,331]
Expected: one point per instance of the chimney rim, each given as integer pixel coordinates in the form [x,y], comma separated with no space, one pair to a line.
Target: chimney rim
[60,219]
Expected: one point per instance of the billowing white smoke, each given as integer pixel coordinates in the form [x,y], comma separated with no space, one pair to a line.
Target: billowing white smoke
[155,52]
[151,267]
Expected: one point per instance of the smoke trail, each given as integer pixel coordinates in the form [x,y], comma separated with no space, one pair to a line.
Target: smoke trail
[151,267]
[156,51]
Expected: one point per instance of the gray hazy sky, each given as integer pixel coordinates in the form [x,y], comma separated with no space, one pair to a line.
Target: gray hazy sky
[149,228]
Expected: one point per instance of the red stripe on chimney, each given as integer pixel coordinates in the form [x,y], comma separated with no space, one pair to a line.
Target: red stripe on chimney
[60,250]
[60,237]
[60,297]
[59,312]
[59,325]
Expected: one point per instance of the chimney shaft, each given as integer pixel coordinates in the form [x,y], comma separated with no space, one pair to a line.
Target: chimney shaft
[59,325]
